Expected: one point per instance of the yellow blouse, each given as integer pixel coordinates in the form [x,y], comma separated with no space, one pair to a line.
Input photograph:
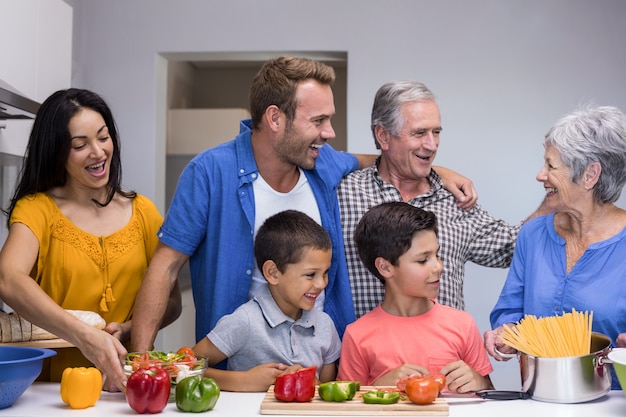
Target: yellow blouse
[81,271]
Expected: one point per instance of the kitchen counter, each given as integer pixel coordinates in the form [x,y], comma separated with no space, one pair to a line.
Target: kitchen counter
[43,399]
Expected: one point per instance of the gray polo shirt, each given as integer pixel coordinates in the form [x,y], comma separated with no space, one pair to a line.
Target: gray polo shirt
[259,332]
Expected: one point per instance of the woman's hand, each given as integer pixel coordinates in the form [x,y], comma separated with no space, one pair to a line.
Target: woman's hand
[121,332]
[106,353]
[495,345]
[108,385]
[621,340]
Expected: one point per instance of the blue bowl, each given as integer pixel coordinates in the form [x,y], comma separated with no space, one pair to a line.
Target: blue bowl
[19,367]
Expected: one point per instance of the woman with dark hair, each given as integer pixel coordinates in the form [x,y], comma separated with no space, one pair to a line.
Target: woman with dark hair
[77,240]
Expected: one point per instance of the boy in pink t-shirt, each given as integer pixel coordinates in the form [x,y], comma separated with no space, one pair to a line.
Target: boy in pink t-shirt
[409,333]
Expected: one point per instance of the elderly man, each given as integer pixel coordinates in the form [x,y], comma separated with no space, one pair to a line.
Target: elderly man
[406,125]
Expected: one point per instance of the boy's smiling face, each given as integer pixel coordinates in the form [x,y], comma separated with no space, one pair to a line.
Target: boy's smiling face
[298,286]
[418,270]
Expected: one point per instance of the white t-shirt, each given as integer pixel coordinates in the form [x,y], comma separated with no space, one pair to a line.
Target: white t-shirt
[269,202]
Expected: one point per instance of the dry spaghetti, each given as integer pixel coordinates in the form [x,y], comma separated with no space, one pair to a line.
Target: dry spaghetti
[551,337]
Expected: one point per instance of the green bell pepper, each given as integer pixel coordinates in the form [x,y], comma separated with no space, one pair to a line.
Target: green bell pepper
[197,394]
[338,390]
[381,397]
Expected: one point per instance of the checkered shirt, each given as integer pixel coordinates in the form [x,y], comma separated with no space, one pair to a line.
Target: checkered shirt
[472,235]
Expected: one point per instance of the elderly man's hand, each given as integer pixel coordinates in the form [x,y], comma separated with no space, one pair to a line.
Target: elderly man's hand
[462,188]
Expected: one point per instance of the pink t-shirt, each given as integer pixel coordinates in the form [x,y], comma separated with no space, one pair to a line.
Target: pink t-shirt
[379,342]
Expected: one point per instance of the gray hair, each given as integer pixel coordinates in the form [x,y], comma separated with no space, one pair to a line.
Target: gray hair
[388,102]
[593,134]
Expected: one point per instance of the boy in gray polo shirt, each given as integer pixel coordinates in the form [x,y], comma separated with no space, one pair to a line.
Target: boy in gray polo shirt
[278,330]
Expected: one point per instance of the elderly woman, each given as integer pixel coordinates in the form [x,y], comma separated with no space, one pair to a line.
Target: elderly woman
[573,258]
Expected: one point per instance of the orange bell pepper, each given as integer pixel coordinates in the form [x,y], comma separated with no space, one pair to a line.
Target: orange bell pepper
[81,387]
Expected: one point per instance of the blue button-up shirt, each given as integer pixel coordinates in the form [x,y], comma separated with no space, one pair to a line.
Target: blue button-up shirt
[211,219]
[539,284]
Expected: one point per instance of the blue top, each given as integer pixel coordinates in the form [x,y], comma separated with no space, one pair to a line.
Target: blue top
[538,284]
[259,332]
[211,219]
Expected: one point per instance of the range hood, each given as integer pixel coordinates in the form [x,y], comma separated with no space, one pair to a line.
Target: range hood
[14,105]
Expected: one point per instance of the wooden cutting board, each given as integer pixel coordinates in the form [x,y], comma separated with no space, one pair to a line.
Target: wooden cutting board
[355,407]
[48,343]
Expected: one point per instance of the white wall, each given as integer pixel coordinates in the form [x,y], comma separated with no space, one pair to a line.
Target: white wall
[503,71]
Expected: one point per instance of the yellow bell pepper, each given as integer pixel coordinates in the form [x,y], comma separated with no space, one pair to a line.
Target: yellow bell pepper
[81,387]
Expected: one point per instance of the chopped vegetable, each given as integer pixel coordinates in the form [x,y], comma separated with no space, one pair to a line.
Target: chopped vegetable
[441,381]
[381,397]
[296,386]
[156,358]
[188,354]
[338,391]
[183,361]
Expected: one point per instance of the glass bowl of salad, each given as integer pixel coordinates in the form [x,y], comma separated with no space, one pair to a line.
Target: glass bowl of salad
[179,364]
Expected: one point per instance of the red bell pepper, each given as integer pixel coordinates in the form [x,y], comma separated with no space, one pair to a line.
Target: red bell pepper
[148,390]
[296,386]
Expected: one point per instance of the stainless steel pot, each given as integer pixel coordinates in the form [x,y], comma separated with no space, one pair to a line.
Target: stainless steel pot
[572,379]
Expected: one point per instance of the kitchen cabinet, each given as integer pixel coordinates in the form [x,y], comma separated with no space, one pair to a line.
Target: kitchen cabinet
[14,136]
[35,56]
[36,46]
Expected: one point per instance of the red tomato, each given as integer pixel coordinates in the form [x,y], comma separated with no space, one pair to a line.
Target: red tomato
[401,384]
[441,380]
[189,355]
[422,390]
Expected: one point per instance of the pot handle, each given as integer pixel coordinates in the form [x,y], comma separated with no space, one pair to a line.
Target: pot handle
[604,359]
[506,355]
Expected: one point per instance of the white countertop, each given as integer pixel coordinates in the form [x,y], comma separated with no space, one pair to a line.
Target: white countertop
[43,399]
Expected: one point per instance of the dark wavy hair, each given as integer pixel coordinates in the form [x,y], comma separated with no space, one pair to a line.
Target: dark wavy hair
[49,146]
[387,231]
